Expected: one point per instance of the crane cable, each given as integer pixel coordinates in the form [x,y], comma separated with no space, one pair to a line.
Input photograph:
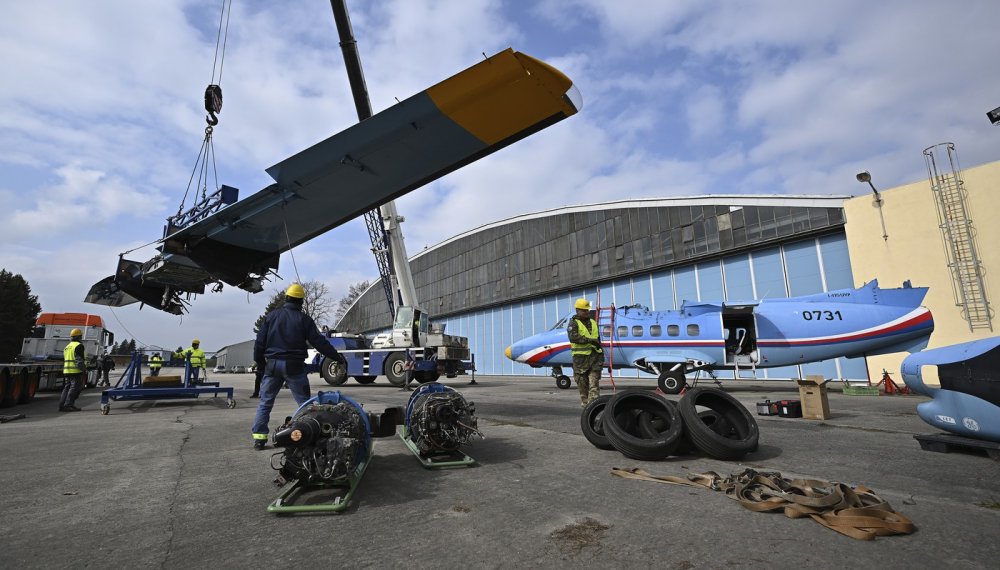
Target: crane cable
[213,106]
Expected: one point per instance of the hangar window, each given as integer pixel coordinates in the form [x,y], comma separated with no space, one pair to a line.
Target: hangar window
[622,332]
[693,330]
[637,330]
[655,330]
[673,330]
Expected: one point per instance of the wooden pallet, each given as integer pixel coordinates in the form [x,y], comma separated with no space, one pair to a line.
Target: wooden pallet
[946,443]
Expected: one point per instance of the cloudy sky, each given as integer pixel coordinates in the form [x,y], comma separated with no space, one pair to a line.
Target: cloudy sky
[101,116]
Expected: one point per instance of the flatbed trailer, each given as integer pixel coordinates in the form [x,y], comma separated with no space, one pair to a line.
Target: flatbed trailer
[20,381]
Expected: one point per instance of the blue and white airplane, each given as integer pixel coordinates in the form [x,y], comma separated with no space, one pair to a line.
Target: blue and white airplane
[742,335]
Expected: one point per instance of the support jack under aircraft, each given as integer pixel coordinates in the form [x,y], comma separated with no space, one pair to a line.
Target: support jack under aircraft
[768,333]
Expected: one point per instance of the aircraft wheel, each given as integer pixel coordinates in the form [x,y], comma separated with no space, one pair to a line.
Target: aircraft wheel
[334,371]
[364,379]
[563,382]
[671,382]
[395,368]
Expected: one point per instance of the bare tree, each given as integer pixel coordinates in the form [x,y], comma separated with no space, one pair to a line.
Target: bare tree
[353,292]
[317,303]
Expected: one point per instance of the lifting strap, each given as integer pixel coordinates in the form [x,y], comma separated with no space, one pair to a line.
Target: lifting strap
[856,512]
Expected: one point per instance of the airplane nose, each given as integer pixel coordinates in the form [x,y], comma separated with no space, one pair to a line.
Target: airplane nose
[507,354]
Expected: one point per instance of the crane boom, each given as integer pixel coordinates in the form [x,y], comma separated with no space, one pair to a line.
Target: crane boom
[384,222]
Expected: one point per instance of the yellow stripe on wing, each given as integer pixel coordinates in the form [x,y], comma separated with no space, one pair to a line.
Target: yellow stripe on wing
[503,95]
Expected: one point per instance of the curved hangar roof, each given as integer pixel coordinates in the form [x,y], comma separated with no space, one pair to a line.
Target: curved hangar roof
[536,254]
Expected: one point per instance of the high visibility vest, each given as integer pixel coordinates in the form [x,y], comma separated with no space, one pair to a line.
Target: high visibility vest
[589,334]
[197,357]
[155,362]
[69,359]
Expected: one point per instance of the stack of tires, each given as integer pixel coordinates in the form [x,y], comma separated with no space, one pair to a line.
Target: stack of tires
[646,426]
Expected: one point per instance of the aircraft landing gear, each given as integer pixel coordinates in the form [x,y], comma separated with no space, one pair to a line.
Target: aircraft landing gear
[562,381]
[671,382]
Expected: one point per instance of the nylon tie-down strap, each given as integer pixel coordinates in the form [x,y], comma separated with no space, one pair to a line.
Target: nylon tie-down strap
[856,512]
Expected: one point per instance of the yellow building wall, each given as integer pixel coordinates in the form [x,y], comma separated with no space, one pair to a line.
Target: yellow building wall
[915,250]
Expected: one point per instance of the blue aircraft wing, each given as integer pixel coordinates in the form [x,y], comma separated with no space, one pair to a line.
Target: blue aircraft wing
[492,104]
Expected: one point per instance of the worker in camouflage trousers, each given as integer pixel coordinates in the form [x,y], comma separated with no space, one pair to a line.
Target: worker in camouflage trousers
[588,355]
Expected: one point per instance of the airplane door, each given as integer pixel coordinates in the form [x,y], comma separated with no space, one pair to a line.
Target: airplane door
[740,330]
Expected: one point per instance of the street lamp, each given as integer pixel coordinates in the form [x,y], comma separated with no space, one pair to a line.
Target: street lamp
[864,177]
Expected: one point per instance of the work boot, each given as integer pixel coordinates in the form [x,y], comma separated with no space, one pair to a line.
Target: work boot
[259,444]
[63,409]
[72,409]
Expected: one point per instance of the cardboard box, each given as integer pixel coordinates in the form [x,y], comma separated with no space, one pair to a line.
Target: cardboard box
[812,394]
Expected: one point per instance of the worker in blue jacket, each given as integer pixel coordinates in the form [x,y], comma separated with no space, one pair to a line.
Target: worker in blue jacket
[280,350]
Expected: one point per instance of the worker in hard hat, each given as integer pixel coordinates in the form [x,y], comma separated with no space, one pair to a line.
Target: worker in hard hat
[74,371]
[155,363]
[280,350]
[105,366]
[197,357]
[588,355]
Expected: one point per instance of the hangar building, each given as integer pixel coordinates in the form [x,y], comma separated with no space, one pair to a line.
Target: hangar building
[510,279]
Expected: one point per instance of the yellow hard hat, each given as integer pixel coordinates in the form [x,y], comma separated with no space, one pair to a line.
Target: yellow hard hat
[295,291]
[76,332]
[582,304]
[195,341]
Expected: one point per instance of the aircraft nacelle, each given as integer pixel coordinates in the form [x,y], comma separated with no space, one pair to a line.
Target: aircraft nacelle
[758,334]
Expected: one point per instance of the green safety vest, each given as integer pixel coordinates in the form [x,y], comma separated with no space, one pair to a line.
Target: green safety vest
[155,361]
[589,334]
[69,359]
[197,357]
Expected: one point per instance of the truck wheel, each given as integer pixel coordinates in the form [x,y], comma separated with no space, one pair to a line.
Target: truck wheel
[395,368]
[563,382]
[334,371]
[671,382]
[364,379]
[4,388]
[30,386]
[15,386]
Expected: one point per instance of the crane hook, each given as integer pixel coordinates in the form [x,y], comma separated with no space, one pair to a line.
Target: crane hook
[213,104]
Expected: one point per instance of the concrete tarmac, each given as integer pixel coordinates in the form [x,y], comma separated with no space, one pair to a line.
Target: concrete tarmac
[175,484]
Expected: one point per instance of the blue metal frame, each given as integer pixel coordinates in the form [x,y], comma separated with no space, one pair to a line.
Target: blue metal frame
[129,386]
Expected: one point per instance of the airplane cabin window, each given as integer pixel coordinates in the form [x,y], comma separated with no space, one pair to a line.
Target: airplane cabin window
[622,332]
[636,330]
[606,331]
[693,330]
[673,330]
[655,330]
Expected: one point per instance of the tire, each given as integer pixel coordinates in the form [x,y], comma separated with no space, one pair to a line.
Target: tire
[30,386]
[636,446]
[364,380]
[671,382]
[334,371]
[591,420]
[742,433]
[563,382]
[710,418]
[395,368]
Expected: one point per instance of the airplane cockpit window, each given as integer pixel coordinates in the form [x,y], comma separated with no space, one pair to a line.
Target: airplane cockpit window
[606,331]
[693,330]
[673,330]
[622,332]
[655,330]
[559,325]
[636,330]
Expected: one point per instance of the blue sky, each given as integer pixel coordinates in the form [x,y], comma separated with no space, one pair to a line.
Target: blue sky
[101,116]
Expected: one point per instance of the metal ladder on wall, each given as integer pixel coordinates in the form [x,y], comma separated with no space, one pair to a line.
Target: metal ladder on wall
[609,311]
[959,235]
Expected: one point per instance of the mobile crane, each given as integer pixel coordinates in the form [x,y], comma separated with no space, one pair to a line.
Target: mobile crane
[413,342]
